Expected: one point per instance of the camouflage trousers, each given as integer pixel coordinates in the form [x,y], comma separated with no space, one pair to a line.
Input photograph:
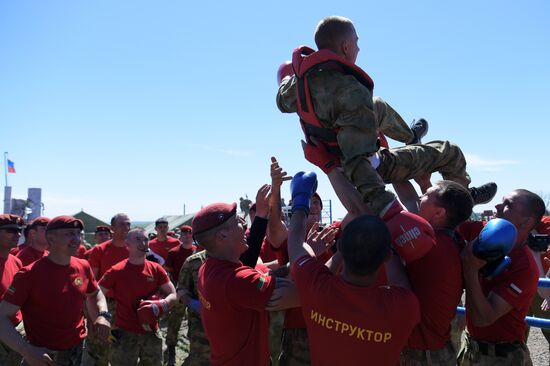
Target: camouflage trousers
[96,351]
[442,357]
[295,348]
[477,353]
[174,319]
[404,163]
[69,357]
[276,323]
[199,348]
[130,347]
[9,357]
[390,122]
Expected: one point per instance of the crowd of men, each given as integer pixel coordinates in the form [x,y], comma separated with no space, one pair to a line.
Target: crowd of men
[379,287]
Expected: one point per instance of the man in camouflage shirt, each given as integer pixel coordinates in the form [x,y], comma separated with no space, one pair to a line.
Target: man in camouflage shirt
[344,105]
[199,348]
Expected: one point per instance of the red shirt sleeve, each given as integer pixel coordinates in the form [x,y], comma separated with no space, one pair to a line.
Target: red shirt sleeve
[518,287]
[162,276]
[108,280]
[308,273]
[250,289]
[92,284]
[20,289]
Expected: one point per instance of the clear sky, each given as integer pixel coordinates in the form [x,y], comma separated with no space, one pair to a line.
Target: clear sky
[142,107]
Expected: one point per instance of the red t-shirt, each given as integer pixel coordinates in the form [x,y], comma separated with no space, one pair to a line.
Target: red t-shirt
[163,247]
[18,248]
[267,253]
[106,255]
[175,259]
[81,252]
[470,230]
[233,300]
[129,283]
[30,255]
[516,285]
[436,280]
[366,323]
[51,298]
[8,268]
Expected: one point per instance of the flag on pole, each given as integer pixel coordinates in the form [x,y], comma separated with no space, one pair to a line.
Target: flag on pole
[11,166]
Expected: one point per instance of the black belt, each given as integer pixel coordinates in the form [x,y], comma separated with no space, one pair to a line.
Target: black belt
[501,349]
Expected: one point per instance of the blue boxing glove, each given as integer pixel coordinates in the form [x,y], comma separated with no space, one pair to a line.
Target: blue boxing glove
[302,187]
[494,242]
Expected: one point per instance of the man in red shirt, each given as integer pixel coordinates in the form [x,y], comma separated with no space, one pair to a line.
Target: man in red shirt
[175,259]
[162,244]
[102,234]
[496,307]
[49,293]
[436,278]
[348,311]
[37,245]
[234,297]
[132,281]
[102,257]
[10,232]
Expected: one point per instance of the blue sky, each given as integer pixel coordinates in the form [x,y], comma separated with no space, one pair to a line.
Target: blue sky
[142,107]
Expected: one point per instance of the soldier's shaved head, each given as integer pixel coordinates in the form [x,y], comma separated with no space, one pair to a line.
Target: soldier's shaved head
[331,31]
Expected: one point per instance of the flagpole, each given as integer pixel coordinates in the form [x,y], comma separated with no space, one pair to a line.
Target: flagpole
[6,168]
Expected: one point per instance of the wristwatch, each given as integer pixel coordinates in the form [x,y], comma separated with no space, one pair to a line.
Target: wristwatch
[107,315]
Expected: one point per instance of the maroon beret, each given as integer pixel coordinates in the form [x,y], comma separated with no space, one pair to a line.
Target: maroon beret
[212,216]
[102,228]
[9,221]
[64,222]
[39,221]
[186,229]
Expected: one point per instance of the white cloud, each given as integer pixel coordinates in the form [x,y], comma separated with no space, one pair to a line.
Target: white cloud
[488,165]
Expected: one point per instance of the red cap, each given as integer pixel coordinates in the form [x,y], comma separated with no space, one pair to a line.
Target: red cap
[212,216]
[102,228]
[186,229]
[64,222]
[39,221]
[9,221]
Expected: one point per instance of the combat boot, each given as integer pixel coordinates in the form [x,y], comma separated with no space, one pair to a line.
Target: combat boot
[484,193]
[419,129]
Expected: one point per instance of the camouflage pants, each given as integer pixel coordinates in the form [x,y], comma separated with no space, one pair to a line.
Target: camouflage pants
[96,351]
[199,348]
[9,357]
[174,319]
[276,322]
[404,163]
[295,348]
[443,357]
[129,347]
[70,357]
[390,122]
[475,353]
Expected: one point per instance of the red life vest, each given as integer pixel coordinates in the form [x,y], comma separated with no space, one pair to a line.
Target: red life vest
[304,60]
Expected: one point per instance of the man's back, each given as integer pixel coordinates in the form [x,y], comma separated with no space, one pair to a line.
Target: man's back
[352,325]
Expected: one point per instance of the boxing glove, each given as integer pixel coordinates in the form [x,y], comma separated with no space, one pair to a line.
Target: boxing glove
[149,311]
[412,237]
[494,242]
[302,187]
[319,156]
[284,70]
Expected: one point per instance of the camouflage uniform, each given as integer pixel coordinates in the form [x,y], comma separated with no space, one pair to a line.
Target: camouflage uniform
[130,346]
[476,353]
[199,347]
[70,357]
[295,348]
[174,320]
[96,351]
[9,357]
[341,102]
